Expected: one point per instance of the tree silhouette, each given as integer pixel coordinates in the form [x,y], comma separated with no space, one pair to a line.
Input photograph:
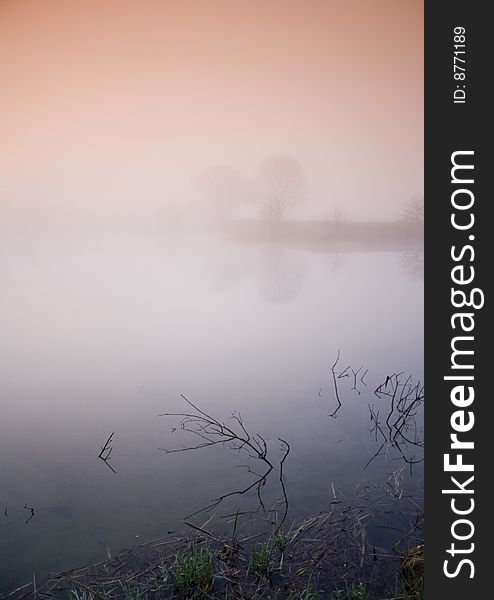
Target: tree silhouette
[283,186]
[413,210]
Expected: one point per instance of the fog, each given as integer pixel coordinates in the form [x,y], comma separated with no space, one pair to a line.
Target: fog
[103,334]
[111,112]
[201,197]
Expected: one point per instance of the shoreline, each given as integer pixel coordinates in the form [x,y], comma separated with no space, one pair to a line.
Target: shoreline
[323,557]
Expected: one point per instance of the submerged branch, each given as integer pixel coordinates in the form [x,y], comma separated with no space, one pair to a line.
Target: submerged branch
[106,451]
[236,437]
[399,430]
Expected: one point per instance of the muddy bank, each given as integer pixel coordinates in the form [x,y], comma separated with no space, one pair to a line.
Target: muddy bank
[329,555]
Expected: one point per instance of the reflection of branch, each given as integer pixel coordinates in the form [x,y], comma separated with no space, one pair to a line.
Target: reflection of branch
[337,395]
[355,375]
[400,427]
[394,484]
[30,508]
[212,432]
[106,451]
[344,373]
[285,448]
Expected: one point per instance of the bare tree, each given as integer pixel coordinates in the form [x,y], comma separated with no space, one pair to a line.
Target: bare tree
[413,210]
[283,186]
[336,217]
[339,214]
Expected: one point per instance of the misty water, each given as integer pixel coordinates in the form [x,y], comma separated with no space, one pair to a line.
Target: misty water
[103,334]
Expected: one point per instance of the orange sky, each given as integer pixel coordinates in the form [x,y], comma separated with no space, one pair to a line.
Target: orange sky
[100,95]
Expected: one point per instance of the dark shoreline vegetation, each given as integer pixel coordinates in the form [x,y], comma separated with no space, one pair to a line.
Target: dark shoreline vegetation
[305,234]
[318,236]
[323,557]
[255,552]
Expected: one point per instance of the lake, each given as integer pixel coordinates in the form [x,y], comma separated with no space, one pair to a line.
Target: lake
[102,334]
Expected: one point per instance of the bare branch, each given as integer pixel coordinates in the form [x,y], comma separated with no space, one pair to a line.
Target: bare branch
[106,451]
[212,432]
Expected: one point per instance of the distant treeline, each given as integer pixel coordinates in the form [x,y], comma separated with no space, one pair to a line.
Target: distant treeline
[313,234]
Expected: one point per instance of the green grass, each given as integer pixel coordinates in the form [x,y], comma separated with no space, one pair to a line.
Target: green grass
[356,591]
[260,563]
[308,593]
[414,590]
[190,574]
[131,591]
[278,542]
[81,595]
[193,571]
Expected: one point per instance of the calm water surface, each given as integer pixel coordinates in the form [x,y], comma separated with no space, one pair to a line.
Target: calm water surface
[104,334]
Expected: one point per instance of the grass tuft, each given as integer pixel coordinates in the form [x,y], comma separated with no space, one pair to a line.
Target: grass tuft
[354,592]
[131,591]
[193,571]
[308,593]
[260,563]
[80,595]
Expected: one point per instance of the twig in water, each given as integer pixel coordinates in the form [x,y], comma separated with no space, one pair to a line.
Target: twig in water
[355,375]
[106,451]
[337,395]
[399,430]
[30,508]
[285,447]
[344,373]
[213,432]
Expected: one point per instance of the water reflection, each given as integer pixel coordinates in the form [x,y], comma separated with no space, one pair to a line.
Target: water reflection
[412,264]
[279,273]
[227,270]
[282,274]
[101,336]
[337,262]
